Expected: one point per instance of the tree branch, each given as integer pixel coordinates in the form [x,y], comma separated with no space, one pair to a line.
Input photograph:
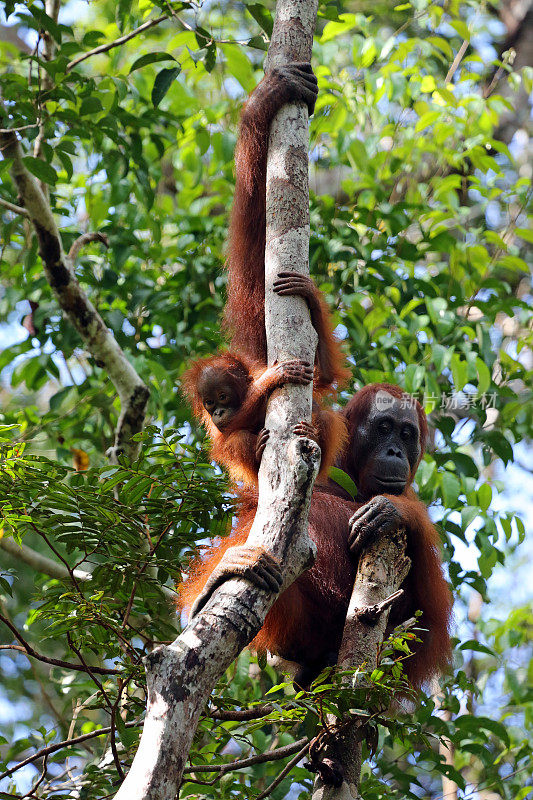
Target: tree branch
[84,239]
[383,567]
[101,343]
[12,207]
[181,676]
[285,771]
[53,748]
[28,650]
[49,567]
[242,715]
[41,563]
[103,48]
[457,60]
[259,758]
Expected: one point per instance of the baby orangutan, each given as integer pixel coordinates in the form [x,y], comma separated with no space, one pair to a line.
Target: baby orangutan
[229,394]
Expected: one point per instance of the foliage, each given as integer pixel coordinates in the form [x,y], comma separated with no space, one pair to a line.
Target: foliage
[420,240]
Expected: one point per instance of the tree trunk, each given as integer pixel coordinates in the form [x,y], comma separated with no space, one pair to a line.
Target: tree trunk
[182,675]
[382,569]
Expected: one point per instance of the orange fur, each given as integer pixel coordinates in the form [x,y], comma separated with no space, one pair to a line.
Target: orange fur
[235,446]
[305,623]
[245,309]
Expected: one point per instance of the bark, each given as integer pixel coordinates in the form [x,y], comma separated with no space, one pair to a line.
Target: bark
[59,271]
[287,226]
[382,569]
[181,676]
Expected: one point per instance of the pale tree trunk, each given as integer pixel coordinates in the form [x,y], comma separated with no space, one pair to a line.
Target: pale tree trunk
[181,676]
[382,569]
[287,225]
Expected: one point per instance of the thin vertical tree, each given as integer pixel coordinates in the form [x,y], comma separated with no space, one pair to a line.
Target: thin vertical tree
[181,676]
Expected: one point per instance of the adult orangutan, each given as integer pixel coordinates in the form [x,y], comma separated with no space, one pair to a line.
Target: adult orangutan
[387,434]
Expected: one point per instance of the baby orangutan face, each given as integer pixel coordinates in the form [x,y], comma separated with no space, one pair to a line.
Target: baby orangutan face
[221,395]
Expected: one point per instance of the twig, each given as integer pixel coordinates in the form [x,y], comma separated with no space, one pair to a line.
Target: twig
[371,614]
[457,60]
[285,771]
[56,552]
[28,650]
[11,206]
[42,776]
[259,758]
[89,670]
[142,569]
[21,127]
[114,750]
[103,48]
[55,662]
[242,716]
[85,238]
[53,748]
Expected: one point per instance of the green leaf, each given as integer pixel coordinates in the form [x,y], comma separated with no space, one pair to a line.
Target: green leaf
[500,445]
[162,83]
[525,233]
[122,13]
[46,23]
[261,15]
[150,58]
[526,791]
[41,169]
[128,736]
[463,463]
[414,375]
[67,163]
[484,496]
[239,66]
[336,28]
[476,647]
[90,105]
[428,84]
[427,120]
[258,43]
[344,480]
[210,57]
[459,372]
[461,28]
[451,489]
[441,357]
[487,561]
[484,376]
[368,53]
